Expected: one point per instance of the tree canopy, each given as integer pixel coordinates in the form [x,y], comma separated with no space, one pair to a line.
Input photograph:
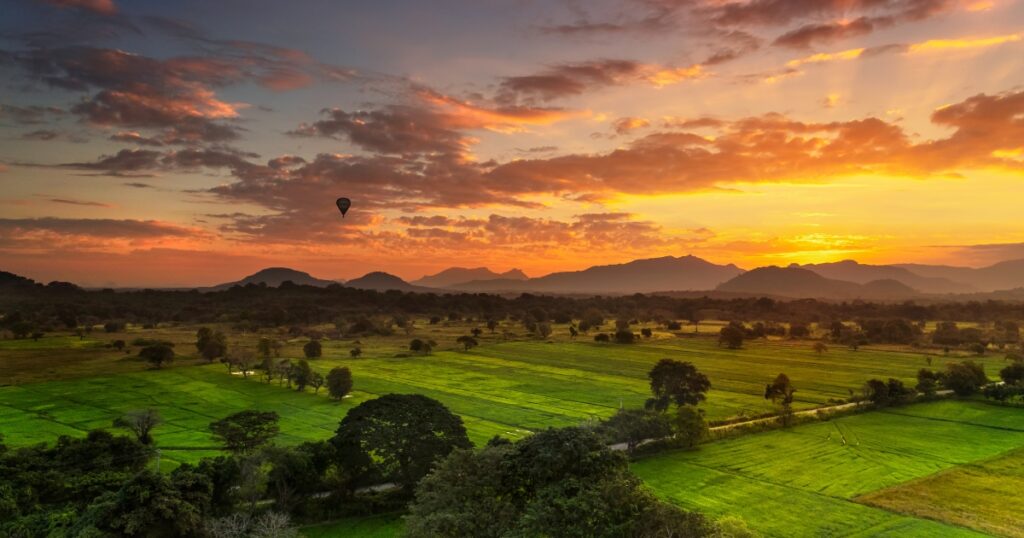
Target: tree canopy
[397,437]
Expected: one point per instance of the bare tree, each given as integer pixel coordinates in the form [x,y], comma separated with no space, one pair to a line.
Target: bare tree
[273,525]
[141,423]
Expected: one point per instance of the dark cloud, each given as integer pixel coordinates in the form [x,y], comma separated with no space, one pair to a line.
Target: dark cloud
[41,134]
[101,228]
[570,79]
[812,34]
[78,202]
[393,130]
[28,115]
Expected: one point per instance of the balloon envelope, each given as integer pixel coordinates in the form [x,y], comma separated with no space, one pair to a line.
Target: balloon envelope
[343,205]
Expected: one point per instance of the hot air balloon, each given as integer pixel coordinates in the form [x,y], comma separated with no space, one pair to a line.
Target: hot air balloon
[343,205]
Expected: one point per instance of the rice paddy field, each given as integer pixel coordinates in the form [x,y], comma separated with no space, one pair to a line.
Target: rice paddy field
[922,470]
[948,468]
[503,387]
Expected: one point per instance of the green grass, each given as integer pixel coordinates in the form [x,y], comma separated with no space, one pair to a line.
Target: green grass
[803,481]
[985,496]
[506,388]
[384,526]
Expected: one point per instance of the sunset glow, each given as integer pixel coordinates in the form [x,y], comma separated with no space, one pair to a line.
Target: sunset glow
[183,143]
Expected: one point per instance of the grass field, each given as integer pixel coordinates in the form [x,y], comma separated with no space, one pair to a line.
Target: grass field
[805,481]
[985,496]
[384,526]
[503,388]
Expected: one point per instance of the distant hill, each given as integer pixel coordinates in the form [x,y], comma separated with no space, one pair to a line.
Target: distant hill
[381,281]
[852,271]
[459,275]
[639,276]
[274,276]
[797,282]
[1001,276]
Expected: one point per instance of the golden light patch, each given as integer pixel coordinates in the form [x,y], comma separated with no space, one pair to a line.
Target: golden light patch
[980,5]
[823,57]
[934,45]
[667,77]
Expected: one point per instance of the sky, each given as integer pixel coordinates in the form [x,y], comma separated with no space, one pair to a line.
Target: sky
[153,143]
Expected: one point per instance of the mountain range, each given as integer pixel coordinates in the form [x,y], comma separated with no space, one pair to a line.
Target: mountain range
[460,275]
[797,282]
[690,275]
[638,276]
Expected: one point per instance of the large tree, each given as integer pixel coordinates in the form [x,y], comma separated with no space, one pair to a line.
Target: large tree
[211,344]
[964,378]
[339,382]
[398,437]
[557,483]
[676,382]
[246,430]
[157,355]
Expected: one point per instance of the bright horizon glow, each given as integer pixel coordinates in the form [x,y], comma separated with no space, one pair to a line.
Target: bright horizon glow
[150,144]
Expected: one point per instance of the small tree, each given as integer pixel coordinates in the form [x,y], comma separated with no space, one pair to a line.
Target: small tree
[157,355]
[339,382]
[731,336]
[301,375]
[37,335]
[634,426]
[476,332]
[927,382]
[625,336]
[780,392]
[245,431]
[820,347]
[141,423]
[316,381]
[689,425]
[467,342]
[312,349]
[602,337]
[355,352]
[1013,374]
[676,382]
[119,345]
[492,325]
[646,332]
[543,329]
[268,347]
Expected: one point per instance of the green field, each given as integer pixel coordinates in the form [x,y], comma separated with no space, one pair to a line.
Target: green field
[805,481]
[985,496]
[500,388]
[384,526]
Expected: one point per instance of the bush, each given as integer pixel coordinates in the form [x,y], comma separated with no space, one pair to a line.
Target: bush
[625,336]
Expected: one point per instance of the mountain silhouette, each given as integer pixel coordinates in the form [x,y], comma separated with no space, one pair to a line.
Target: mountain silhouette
[274,276]
[638,276]
[459,275]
